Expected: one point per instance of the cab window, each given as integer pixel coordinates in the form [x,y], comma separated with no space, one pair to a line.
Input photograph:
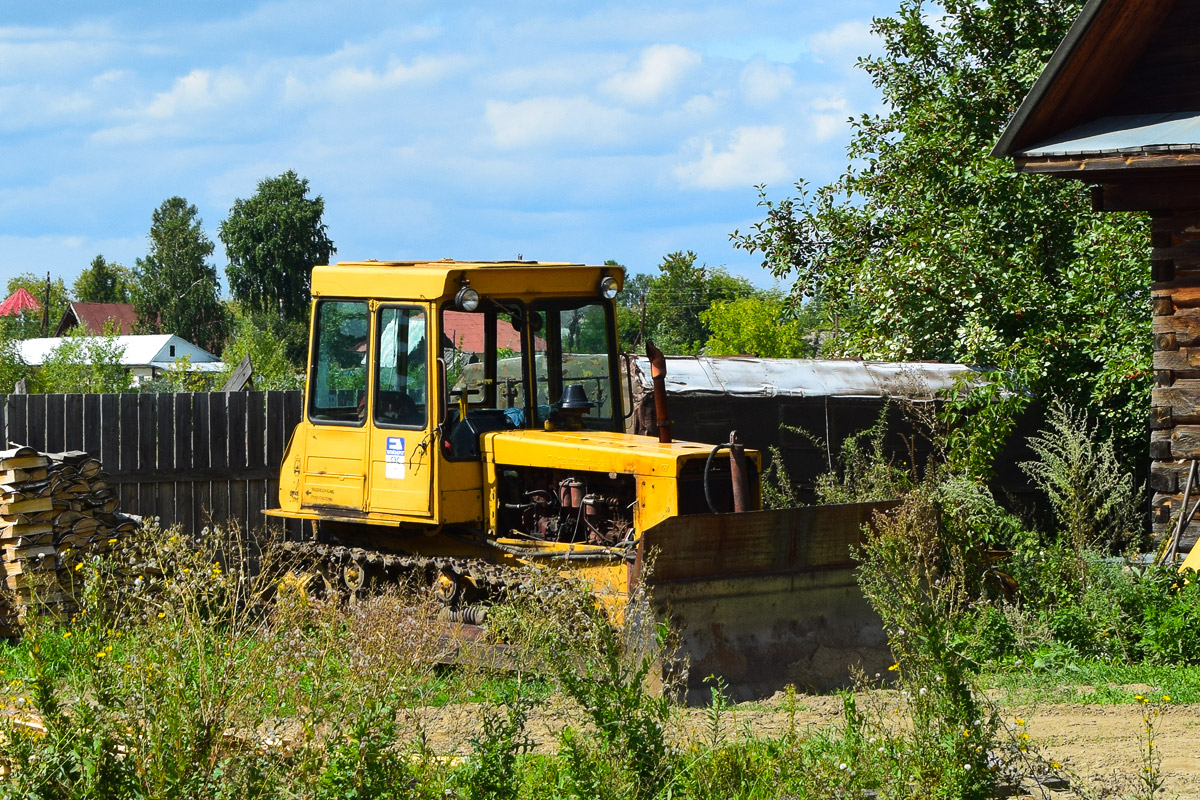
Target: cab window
[575,350]
[337,391]
[401,374]
[485,375]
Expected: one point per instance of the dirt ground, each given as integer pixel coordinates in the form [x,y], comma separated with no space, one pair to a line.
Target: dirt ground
[1098,745]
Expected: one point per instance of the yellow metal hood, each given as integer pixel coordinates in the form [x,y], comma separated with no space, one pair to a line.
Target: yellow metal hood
[594,451]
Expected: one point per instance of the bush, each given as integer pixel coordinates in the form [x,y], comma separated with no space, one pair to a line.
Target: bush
[865,470]
[1092,497]
[922,571]
[84,363]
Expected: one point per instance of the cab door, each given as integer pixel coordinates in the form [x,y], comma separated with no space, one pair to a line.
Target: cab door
[400,475]
[336,446]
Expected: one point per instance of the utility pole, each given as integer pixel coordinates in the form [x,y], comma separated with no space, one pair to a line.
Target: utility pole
[46,308]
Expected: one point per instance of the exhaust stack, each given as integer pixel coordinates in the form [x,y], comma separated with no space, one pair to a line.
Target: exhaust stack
[658,376]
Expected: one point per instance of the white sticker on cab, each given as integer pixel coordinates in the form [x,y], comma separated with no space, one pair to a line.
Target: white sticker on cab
[393,458]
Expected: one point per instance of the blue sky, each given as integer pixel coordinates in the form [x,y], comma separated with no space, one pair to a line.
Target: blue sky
[557,131]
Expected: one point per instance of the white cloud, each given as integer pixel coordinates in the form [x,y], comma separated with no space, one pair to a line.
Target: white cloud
[753,155]
[829,104]
[827,126]
[763,83]
[705,105]
[830,118]
[544,120]
[199,90]
[659,70]
[201,105]
[844,43]
[318,80]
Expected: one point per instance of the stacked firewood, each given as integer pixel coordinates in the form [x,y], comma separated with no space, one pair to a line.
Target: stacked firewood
[55,510]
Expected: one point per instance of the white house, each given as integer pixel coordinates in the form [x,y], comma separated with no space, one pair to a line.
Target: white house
[145,356]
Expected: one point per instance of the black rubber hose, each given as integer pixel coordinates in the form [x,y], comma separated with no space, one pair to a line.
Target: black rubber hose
[708,468]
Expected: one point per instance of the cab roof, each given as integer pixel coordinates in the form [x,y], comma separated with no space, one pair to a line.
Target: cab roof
[434,280]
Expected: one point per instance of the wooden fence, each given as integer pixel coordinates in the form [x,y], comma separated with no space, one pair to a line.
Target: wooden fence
[187,458]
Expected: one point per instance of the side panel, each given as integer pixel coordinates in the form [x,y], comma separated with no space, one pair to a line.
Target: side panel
[334,474]
[460,492]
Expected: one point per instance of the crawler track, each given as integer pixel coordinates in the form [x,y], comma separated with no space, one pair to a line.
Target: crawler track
[463,585]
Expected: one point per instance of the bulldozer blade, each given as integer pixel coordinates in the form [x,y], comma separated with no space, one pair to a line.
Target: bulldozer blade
[765,599]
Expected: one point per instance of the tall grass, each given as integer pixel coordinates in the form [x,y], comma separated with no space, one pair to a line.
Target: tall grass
[183,675]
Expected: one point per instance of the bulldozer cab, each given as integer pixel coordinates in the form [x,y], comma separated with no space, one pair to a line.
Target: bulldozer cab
[403,384]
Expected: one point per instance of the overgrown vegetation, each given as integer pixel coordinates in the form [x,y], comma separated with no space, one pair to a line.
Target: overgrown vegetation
[190,671]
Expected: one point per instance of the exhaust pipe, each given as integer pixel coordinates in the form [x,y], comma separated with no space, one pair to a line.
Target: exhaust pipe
[658,376]
[737,471]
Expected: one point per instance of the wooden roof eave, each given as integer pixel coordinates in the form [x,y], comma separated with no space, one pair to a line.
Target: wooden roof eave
[1100,167]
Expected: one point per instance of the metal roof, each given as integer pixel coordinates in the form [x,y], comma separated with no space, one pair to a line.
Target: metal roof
[1138,133]
[93,316]
[138,351]
[804,377]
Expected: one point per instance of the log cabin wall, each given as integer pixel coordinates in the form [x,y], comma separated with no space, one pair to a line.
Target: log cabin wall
[1175,398]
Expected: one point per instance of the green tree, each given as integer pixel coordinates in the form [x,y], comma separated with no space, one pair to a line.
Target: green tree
[28,324]
[272,241]
[630,309]
[104,282]
[762,325]
[928,248]
[12,366]
[679,294]
[175,288]
[84,363]
[273,368]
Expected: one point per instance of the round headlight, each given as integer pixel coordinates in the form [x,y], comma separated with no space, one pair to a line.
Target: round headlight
[608,287]
[467,299]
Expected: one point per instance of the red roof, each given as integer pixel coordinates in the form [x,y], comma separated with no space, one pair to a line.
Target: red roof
[465,331]
[19,301]
[93,316]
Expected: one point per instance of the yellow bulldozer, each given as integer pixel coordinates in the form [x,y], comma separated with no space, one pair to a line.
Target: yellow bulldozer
[463,418]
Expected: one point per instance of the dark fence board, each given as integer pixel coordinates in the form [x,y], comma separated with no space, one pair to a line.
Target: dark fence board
[183,433]
[73,421]
[185,502]
[237,494]
[274,426]
[36,422]
[256,492]
[14,417]
[147,432]
[165,456]
[56,433]
[130,433]
[218,431]
[256,430]
[235,415]
[93,427]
